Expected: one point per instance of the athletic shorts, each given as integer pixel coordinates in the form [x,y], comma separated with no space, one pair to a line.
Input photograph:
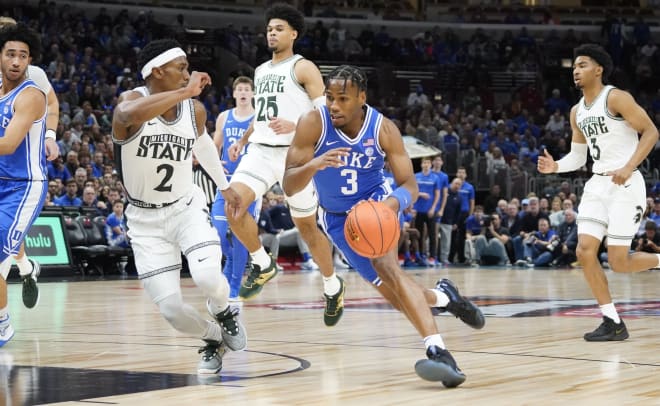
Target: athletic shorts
[262,167]
[612,210]
[22,202]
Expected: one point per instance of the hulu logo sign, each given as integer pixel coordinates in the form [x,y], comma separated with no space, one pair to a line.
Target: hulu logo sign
[40,241]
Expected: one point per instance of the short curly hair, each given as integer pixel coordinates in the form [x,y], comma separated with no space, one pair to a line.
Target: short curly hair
[288,13]
[21,33]
[598,54]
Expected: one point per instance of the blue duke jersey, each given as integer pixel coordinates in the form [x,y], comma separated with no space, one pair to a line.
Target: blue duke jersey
[362,177]
[156,162]
[28,162]
[232,131]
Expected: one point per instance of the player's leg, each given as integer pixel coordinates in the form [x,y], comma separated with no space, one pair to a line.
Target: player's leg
[592,227]
[199,242]
[219,221]
[255,175]
[6,329]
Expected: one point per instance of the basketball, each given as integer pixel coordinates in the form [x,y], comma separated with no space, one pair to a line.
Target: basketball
[372,229]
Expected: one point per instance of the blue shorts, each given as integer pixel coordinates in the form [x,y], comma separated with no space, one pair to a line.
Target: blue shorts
[21,204]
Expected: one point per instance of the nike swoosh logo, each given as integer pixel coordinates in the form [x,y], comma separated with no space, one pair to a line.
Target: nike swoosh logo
[626,186]
[189,201]
[331,142]
[618,331]
[150,123]
[204,259]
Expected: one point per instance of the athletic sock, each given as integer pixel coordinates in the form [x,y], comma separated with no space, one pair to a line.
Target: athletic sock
[441,299]
[435,339]
[331,285]
[609,310]
[261,258]
[24,266]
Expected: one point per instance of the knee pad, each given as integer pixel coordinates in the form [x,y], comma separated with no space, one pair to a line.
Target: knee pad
[206,270]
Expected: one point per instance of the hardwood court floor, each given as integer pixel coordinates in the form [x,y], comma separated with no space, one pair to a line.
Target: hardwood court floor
[103,342]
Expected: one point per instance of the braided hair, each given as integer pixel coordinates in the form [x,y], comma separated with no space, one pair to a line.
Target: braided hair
[348,73]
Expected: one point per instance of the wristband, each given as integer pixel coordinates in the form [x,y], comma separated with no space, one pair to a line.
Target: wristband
[50,134]
[403,196]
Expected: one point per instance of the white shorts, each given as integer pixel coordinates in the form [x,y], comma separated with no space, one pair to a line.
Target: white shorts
[159,236]
[262,167]
[612,210]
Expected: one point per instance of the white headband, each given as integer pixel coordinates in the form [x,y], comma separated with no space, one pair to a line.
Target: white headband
[161,60]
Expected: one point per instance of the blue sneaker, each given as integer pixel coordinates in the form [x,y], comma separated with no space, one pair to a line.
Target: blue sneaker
[6,331]
[408,263]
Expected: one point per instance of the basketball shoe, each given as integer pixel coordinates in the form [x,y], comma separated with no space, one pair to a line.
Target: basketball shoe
[459,306]
[233,332]
[334,305]
[30,288]
[256,280]
[211,362]
[6,331]
[608,331]
[439,366]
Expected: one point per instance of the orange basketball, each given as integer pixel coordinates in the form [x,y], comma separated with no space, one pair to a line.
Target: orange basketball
[372,229]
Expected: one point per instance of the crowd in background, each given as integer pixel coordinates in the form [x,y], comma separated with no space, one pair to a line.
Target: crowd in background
[90,61]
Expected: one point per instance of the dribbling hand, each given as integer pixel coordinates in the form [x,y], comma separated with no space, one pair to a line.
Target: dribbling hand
[546,163]
[331,158]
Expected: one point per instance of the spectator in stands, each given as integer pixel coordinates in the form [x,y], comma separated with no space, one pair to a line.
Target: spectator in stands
[496,162]
[72,162]
[443,187]
[115,226]
[649,241]
[490,244]
[409,240]
[556,123]
[425,208]
[556,102]
[94,207]
[449,222]
[97,165]
[564,253]
[417,99]
[539,245]
[473,227]
[529,226]
[655,215]
[467,208]
[70,198]
[556,215]
[54,188]
[57,170]
[80,176]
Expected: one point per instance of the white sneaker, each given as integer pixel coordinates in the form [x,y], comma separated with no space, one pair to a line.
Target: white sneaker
[310,265]
[340,264]
[211,361]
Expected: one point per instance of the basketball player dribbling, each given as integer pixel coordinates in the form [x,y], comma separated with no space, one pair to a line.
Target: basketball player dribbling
[606,123]
[156,128]
[342,147]
[286,87]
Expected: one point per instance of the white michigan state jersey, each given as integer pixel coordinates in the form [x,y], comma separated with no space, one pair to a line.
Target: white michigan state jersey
[612,141]
[277,93]
[156,162]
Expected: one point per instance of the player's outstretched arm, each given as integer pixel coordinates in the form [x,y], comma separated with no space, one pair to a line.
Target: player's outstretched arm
[133,109]
[300,162]
[400,164]
[575,159]
[622,103]
[29,106]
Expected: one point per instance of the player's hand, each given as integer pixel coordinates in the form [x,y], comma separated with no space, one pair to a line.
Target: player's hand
[233,202]
[235,150]
[197,82]
[331,158]
[546,164]
[621,175]
[281,126]
[52,149]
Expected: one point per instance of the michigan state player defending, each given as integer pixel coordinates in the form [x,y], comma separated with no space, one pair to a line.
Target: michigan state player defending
[28,268]
[342,147]
[156,128]
[229,128]
[23,178]
[606,122]
[286,87]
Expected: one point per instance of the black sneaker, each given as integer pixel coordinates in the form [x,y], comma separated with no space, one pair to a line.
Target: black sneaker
[440,366]
[211,361]
[459,306]
[30,288]
[608,331]
[334,305]
[257,279]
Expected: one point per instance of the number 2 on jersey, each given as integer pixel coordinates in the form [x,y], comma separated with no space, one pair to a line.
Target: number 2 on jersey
[169,171]
[266,108]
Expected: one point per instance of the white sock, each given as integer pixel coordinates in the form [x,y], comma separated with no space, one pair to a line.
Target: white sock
[610,311]
[435,339]
[261,258]
[4,313]
[658,255]
[24,266]
[213,332]
[331,285]
[442,300]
